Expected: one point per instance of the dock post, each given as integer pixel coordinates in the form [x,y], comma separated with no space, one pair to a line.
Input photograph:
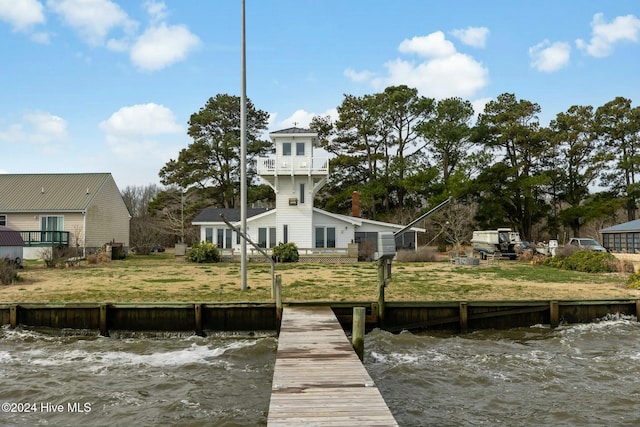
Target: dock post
[278,285]
[464,317]
[13,316]
[381,284]
[357,331]
[554,314]
[104,331]
[197,317]
[638,310]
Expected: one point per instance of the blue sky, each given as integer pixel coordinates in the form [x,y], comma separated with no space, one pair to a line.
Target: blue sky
[109,85]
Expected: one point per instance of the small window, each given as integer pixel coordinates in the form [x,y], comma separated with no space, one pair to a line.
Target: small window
[302,193]
[286,148]
[220,240]
[3,220]
[262,237]
[272,237]
[300,149]
[319,237]
[227,238]
[208,234]
[331,237]
[285,233]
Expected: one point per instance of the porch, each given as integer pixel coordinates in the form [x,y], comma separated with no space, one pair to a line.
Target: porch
[45,238]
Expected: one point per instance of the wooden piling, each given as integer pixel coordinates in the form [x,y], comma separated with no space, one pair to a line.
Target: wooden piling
[357,331]
[104,330]
[638,310]
[13,316]
[381,284]
[554,314]
[278,297]
[464,317]
[197,317]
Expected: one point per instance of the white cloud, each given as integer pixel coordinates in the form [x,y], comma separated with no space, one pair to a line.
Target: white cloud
[156,10]
[21,14]
[444,72]
[301,118]
[36,128]
[472,36]
[93,20]
[40,37]
[432,45]
[355,76]
[162,46]
[142,119]
[549,57]
[605,35]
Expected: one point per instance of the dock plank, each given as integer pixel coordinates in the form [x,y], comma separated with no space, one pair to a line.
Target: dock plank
[318,379]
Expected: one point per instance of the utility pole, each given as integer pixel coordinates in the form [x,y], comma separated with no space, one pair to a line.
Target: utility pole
[243,159]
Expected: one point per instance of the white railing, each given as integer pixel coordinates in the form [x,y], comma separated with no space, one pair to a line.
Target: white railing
[292,165]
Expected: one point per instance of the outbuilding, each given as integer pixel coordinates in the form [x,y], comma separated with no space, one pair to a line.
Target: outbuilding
[623,237]
[11,245]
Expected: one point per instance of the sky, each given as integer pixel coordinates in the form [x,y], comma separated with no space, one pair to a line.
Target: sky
[109,85]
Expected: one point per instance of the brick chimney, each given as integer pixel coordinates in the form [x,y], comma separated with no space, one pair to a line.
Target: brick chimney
[355,204]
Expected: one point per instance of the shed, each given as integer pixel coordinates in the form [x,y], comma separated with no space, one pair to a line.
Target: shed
[11,244]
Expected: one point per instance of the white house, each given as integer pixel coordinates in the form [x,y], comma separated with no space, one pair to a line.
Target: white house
[296,175]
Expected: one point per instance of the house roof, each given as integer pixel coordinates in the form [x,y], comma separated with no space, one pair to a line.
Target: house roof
[212,214]
[49,192]
[292,130]
[624,227]
[9,237]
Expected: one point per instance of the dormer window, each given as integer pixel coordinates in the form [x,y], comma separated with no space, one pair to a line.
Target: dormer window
[286,148]
[300,148]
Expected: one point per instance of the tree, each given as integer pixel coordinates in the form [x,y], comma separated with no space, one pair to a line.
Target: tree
[618,125]
[510,128]
[574,162]
[212,160]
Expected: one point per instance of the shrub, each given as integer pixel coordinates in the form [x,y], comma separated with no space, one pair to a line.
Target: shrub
[203,252]
[422,254]
[8,272]
[585,261]
[286,252]
[633,282]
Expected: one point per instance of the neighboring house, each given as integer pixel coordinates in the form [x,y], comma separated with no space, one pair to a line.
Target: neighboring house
[83,211]
[296,175]
[623,237]
[11,245]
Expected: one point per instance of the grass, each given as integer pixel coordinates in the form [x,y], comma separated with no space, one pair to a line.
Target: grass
[160,278]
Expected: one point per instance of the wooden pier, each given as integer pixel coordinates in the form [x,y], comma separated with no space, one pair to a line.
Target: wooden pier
[318,379]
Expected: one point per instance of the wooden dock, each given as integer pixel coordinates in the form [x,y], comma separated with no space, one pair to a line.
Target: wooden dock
[318,379]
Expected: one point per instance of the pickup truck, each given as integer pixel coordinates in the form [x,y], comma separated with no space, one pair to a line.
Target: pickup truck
[586,244]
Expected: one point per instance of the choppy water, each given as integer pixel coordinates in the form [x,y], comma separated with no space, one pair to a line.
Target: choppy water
[577,375]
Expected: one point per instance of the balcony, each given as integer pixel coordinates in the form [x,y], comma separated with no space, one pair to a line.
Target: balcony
[45,238]
[293,165]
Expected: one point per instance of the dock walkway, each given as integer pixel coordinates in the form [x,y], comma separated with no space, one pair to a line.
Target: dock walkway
[318,379]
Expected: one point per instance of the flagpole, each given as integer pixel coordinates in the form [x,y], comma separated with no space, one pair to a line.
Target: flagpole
[243,159]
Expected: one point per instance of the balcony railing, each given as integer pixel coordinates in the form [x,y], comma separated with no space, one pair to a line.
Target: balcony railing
[45,238]
[293,165]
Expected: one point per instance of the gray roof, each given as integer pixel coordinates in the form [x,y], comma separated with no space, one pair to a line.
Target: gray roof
[9,237]
[624,227]
[293,130]
[49,192]
[212,214]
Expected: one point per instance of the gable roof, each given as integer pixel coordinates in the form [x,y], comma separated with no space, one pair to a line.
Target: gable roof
[49,192]
[292,130]
[624,227]
[212,214]
[9,237]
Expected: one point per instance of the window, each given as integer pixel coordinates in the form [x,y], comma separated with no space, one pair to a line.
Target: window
[299,148]
[325,237]
[285,233]
[50,224]
[272,237]
[262,237]
[208,232]
[286,148]
[3,220]
[237,238]
[301,193]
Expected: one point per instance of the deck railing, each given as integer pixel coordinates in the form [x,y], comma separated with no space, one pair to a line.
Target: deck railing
[45,238]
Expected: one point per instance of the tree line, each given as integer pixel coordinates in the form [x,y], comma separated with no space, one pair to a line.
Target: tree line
[404,153]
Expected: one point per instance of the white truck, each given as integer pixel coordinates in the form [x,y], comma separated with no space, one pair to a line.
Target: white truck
[586,244]
[501,242]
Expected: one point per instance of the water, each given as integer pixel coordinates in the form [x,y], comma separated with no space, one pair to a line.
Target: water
[576,375]
[136,379]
